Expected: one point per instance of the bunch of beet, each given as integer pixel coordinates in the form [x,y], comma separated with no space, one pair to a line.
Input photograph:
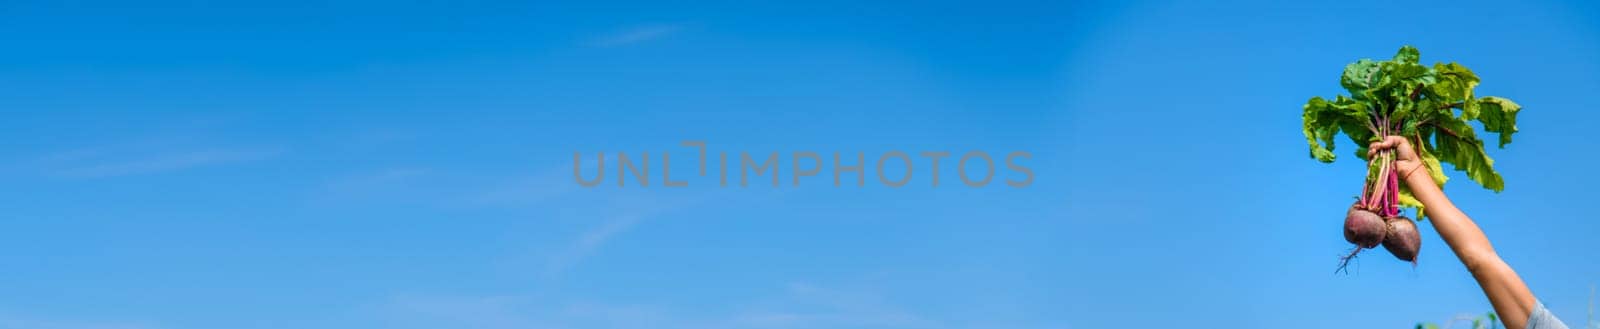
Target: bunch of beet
[1375,219]
[1366,229]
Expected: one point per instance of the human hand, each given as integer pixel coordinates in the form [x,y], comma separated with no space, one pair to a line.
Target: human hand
[1406,160]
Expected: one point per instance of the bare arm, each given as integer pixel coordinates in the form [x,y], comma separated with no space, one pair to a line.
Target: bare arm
[1507,293]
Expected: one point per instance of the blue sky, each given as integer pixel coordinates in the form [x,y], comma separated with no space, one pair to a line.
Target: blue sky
[381,165]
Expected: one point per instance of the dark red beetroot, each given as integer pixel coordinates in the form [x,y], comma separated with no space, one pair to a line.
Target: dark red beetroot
[1364,228]
[1403,240]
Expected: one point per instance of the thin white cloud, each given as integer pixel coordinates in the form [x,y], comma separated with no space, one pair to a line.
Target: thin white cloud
[374,183]
[591,241]
[516,191]
[464,311]
[827,307]
[803,305]
[636,35]
[33,322]
[124,156]
[523,312]
[89,166]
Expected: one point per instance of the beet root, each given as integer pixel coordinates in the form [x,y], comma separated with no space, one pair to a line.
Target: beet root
[1403,240]
[1364,228]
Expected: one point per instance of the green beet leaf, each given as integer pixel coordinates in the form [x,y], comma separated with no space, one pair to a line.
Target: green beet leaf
[1432,106]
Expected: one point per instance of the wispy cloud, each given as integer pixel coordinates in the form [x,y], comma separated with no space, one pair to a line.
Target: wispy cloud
[450,187]
[802,305]
[140,156]
[639,208]
[524,312]
[590,241]
[31,322]
[636,35]
[523,190]
[96,167]
[463,311]
[379,182]
[829,308]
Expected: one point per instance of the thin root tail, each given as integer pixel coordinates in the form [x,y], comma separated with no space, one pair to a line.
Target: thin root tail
[1345,261]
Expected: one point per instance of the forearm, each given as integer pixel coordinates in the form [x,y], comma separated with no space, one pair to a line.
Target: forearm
[1506,291]
[1464,237]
